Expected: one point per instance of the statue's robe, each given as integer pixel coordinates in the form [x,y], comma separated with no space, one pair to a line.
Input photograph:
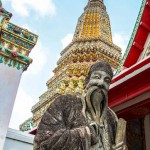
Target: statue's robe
[64,127]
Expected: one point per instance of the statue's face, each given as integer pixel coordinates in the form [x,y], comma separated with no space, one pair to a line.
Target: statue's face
[101,79]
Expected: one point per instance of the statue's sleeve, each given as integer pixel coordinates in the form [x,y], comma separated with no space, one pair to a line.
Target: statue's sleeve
[74,139]
[60,129]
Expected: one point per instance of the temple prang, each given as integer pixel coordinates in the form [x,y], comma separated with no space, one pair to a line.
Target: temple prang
[92,42]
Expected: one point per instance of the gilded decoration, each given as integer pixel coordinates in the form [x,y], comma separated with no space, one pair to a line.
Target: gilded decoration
[92,42]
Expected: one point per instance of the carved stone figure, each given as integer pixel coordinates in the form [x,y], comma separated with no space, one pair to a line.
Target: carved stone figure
[84,122]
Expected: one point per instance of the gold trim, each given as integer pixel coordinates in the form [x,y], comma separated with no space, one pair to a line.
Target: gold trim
[15,35]
[15,44]
[12,33]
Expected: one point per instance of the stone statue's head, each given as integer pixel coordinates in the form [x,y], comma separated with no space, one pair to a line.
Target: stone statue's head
[100,75]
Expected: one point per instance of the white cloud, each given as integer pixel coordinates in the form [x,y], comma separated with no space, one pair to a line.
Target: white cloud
[67,39]
[26,26]
[39,59]
[121,40]
[22,109]
[42,8]
[58,56]
[51,74]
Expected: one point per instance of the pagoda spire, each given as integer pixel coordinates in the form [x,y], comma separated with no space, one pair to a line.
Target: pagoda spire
[92,42]
[94,23]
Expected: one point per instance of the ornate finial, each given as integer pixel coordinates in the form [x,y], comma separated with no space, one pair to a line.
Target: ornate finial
[96,1]
[0,3]
[2,10]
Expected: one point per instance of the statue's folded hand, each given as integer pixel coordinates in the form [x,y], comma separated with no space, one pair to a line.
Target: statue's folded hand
[94,134]
[120,146]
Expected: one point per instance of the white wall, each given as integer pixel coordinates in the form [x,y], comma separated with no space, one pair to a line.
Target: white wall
[9,82]
[17,140]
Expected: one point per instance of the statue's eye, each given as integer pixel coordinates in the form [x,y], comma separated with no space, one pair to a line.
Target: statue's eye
[97,77]
[107,80]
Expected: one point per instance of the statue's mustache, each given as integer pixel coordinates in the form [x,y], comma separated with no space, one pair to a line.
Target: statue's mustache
[97,89]
[100,87]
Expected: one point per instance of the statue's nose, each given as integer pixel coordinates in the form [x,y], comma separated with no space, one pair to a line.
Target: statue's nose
[101,84]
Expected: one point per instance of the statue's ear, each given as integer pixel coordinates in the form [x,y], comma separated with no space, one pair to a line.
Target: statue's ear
[87,78]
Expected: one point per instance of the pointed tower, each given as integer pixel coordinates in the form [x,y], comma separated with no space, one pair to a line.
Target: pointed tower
[94,23]
[92,42]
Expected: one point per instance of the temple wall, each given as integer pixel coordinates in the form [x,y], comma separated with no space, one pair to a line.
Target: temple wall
[147,131]
[17,140]
[10,78]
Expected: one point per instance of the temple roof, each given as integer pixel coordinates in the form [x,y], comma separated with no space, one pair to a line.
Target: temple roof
[136,43]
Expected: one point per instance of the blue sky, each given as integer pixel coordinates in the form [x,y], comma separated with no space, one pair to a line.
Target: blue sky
[55,21]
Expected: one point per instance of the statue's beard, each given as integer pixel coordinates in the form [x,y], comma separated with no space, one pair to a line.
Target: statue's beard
[95,101]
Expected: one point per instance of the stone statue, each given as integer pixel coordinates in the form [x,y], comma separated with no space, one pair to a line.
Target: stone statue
[84,122]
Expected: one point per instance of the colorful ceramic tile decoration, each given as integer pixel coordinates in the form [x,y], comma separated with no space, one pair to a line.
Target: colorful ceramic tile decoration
[16,43]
